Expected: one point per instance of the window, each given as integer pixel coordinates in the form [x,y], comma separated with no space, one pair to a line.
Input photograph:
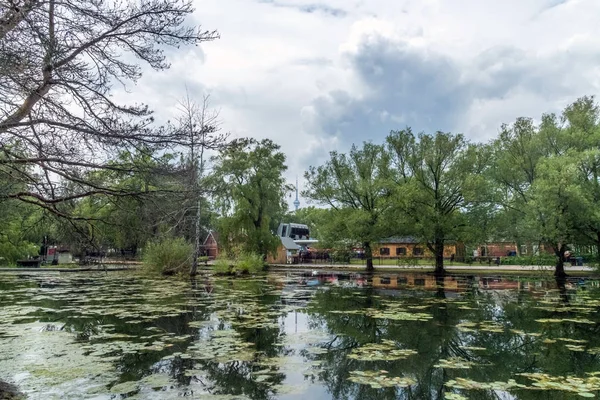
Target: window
[386,281]
[384,251]
[417,251]
[400,251]
[419,282]
[284,231]
[523,249]
[402,281]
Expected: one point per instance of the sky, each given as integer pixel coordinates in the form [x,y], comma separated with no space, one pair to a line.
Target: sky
[319,75]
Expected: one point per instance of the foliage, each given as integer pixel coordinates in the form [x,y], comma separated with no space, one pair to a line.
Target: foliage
[249,190]
[223,265]
[60,61]
[433,173]
[250,263]
[245,263]
[550,176]
[541,260]
[356,187]
[167,256]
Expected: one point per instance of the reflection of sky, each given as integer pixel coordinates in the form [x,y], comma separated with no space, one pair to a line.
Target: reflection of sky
[295,327]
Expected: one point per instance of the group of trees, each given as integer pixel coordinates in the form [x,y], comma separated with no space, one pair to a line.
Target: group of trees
[78,166]
[533,183]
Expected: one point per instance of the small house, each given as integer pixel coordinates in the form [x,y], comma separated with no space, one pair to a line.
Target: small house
[211,245]
[287,252]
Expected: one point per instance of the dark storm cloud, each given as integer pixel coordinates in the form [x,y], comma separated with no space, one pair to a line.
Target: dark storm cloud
[428,91]
[407,87]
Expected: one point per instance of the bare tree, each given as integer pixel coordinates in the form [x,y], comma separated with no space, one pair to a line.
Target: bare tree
[201,127]
[59,61]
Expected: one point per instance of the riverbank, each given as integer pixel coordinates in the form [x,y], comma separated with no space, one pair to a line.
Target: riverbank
[476,269]
[95,268]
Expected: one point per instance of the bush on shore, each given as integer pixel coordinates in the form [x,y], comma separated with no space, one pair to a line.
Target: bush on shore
[245,263]
[168,256]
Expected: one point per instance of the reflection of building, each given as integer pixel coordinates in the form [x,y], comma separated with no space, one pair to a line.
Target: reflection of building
[410,247]
[425,281]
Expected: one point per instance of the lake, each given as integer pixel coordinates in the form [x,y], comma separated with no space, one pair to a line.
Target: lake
[298,336]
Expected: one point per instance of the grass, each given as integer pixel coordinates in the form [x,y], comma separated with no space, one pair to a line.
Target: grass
[415,262]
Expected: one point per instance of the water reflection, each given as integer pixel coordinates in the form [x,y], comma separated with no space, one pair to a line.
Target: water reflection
[287,336]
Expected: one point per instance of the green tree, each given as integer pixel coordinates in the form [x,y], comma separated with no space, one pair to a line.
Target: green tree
[433,172]
[59,61]
[549,175]
[249,190]
[355,186]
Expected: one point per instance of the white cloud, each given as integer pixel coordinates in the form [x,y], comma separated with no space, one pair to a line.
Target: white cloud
[315,76]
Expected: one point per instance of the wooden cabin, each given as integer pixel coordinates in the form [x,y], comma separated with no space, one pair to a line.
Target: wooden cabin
[210,246]
[287,252]
[408,246]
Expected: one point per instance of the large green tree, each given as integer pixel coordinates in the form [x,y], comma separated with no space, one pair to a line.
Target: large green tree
[356,187]
[549,174]
[249,190]
[432,174]
[59,61]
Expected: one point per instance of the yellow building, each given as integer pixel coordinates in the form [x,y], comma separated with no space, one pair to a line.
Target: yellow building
[407,246]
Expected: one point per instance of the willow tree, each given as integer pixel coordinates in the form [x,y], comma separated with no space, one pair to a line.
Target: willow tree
[550,176]
[432,173]
[249,190]
[59,63]
[355,187]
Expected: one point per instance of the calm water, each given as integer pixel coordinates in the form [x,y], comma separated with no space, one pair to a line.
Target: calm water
[288,336]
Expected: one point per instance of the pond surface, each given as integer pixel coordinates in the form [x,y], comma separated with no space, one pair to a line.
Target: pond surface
[288,336]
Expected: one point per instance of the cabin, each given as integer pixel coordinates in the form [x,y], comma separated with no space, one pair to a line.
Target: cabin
[408,246]
[210,246]
[287,252]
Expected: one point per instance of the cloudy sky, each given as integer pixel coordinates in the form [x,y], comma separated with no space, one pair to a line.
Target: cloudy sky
[319,75]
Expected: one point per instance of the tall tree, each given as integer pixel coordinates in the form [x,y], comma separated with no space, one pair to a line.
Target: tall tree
[355,186]
[200,127]
[249,190]
[549,173]
[432,174]
[59,61]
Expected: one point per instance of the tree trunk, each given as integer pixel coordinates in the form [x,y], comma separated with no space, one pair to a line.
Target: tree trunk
[439,256]
[369,256]
[598,244]
[560,250]
[197,242]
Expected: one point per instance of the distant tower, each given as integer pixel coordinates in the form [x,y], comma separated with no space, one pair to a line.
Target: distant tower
[296,202]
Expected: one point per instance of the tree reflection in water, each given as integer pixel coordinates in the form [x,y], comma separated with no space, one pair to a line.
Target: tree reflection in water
[229,336]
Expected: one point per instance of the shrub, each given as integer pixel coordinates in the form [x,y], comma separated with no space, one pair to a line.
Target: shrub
[167,256]
[246,263]
[11,251]
[250,263]
[224,266]
[540,260]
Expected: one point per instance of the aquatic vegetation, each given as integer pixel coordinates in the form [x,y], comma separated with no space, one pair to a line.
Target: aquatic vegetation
[454,363]
[582,386]
[272,336]
[387,350]
[379,379]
